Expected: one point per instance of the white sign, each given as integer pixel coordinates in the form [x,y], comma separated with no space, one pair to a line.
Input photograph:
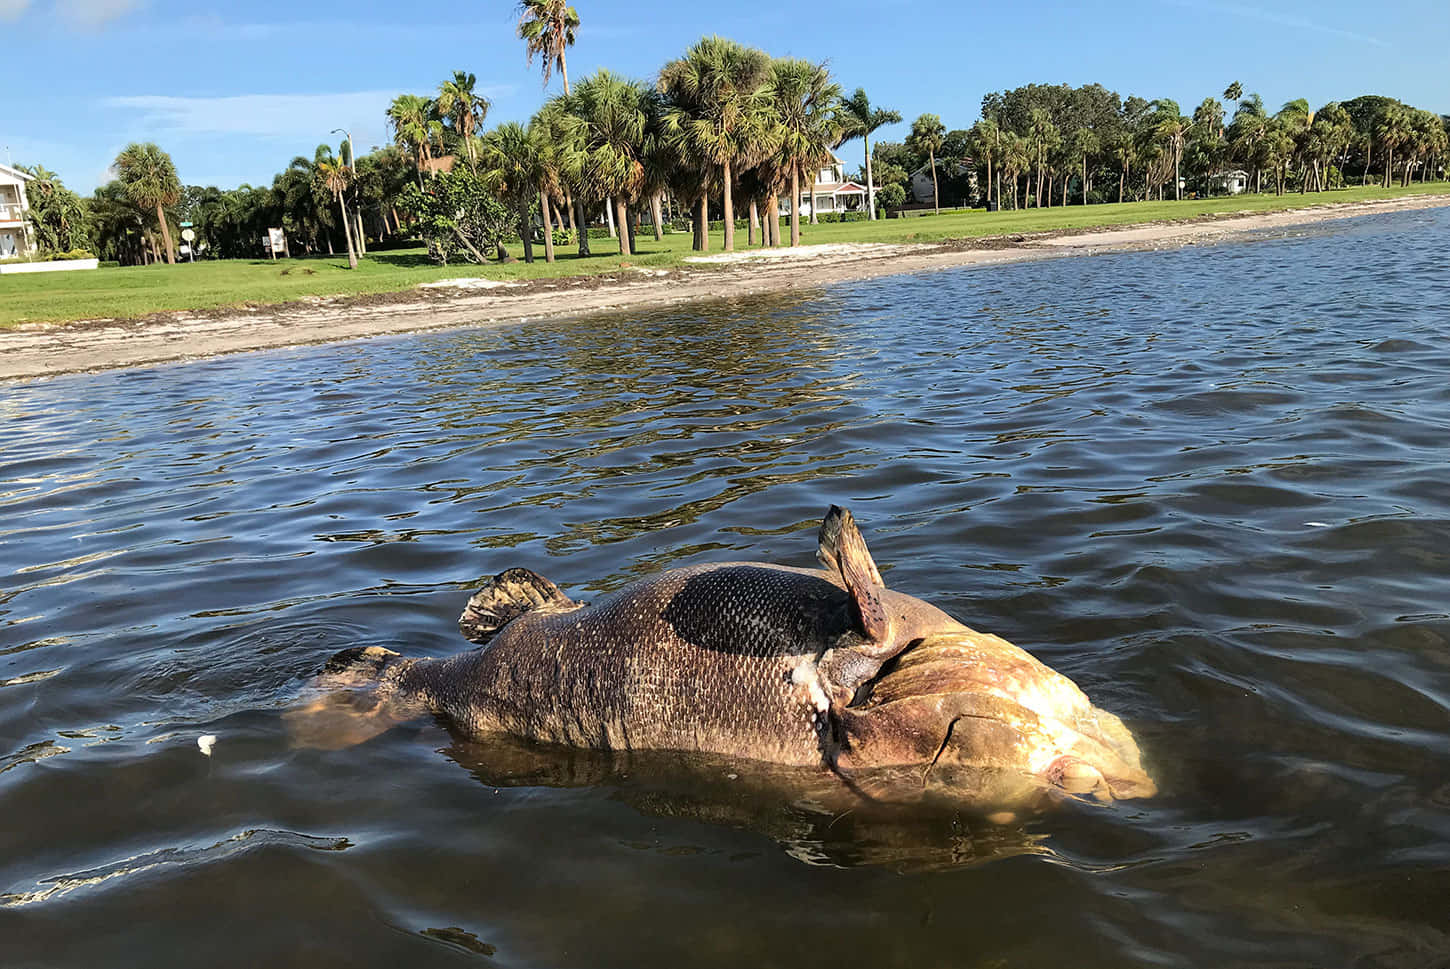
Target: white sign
[184,249]
[277,239]
[188,234]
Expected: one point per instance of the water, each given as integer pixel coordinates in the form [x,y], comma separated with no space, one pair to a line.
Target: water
[1210,485]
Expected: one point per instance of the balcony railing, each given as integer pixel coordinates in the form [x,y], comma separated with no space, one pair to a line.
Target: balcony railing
[11,213]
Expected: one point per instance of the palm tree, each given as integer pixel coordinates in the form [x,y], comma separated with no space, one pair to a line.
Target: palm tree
[149,178]
[1247,133]
[1233,92]
[1169,123]
[927,134]
[1124,150]
[609,116]
[567,154]
[1393,130]
[1044,137]
[415,125]
[1082,143]
[511,158]
[860,120]
[805,103]
[717,110]
[549,173]
[332,175]
[547,29]
[987,141]
[1016,159]
[466,109]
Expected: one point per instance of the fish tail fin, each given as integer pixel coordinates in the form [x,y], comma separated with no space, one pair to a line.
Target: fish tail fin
[504,598]
[353,700]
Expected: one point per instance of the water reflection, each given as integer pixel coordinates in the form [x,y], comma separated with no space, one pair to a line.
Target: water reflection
[811,815]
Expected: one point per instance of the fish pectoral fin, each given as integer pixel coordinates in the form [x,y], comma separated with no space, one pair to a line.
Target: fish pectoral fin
[843,550]
[504,598]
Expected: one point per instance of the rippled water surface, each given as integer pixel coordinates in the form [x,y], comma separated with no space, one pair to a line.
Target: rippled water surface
[1211,485]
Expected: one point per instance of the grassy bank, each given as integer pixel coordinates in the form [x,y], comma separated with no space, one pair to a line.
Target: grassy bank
[137,291]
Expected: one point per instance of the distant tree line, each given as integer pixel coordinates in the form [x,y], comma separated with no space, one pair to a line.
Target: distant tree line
[723,131]
[1041,145]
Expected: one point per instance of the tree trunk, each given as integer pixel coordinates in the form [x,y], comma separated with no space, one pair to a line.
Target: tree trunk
[1084,180]
[347,233]
[795,207]
[1122,177]
[750,225]
[771,220]
[330,250]
[870,185]
[702,224]
[656,211]
[502,256]
[935,190]
[581,225]
[526,235]
[725,179]
[548,226]
[989,181]
[623,223]
[166,235]
[362,243]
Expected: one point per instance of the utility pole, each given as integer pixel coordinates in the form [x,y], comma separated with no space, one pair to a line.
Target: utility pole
[362,246]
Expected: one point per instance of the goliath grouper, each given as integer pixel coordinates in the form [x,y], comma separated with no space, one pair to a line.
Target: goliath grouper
[812,668]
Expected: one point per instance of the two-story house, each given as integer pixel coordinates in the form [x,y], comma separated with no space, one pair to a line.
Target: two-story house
[830,192]
[15,231]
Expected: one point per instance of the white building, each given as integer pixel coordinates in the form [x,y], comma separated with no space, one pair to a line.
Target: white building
[15,233]
[1229,183]
[830,192]
[922,192]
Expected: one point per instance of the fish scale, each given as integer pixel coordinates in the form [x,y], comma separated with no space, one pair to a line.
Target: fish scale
[699,658]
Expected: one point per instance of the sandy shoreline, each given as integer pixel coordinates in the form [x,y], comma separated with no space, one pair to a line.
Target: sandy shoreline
[40,350]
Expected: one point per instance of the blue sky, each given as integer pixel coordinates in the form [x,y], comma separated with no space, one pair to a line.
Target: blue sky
[235,91]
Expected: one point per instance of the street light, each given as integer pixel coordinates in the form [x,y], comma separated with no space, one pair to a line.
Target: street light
[351,155]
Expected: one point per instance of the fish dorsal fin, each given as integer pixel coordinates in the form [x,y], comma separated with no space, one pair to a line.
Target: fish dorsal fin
[842,550]
[504,598]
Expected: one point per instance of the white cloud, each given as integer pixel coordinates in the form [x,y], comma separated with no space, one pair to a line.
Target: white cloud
[1283,20]
[265,115]
[270,115]
[93,13]
[12,9]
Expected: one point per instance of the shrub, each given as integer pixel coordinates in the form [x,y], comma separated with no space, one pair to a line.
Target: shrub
[565,237]
[456,216]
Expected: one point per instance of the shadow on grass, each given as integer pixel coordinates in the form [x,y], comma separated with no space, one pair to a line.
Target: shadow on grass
[403,260]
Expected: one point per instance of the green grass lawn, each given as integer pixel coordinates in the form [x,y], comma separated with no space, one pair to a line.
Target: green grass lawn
[136,291]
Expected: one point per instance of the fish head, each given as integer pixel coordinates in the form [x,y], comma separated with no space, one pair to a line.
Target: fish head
[971,717]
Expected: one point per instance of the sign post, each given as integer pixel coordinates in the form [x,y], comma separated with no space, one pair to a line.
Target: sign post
[188,234]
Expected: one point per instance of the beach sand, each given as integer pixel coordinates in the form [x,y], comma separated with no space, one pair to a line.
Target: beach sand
[40,350]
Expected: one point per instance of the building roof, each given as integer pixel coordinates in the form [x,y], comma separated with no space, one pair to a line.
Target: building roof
[7,170]
[838,188]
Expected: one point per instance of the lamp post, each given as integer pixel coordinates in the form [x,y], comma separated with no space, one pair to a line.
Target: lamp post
[362,246]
